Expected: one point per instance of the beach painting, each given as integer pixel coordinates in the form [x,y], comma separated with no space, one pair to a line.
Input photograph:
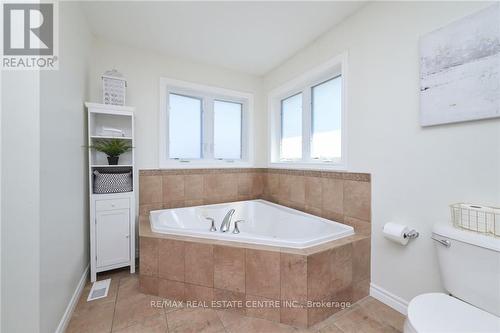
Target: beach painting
[460,70]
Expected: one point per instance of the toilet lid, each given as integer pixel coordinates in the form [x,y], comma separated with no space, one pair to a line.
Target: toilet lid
[438,312]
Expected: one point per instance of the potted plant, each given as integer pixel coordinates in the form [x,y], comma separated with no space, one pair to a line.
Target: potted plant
[113,148]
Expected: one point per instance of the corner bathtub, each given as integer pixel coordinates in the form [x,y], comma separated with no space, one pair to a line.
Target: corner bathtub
[264,223]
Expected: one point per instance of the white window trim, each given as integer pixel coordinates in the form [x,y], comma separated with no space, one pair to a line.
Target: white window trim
[334,67]
[167,86]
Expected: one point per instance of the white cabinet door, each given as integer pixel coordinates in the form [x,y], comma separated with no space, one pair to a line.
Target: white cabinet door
[112,237]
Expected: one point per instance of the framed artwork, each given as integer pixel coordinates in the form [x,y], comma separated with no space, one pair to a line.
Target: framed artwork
[460,70]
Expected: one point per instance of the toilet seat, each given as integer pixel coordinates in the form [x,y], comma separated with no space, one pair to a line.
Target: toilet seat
[437,312]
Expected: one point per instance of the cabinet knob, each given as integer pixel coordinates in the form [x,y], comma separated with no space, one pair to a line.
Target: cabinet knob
[127,236]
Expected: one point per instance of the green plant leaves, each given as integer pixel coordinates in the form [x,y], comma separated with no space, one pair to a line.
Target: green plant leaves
[112,147]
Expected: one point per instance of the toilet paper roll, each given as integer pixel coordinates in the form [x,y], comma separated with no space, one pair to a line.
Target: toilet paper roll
[396,233]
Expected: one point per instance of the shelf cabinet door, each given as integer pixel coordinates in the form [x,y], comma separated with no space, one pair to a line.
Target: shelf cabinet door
[112,237]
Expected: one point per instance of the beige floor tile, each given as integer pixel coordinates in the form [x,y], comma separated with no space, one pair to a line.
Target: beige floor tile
[357,320]
[153,324]
[134,311]
[132,307]
[235,323]
[330,321]
[330,329]
[171,305]
[383,313]
[128,287]
[97,315]
[126,309]
[194,321]
[94,318]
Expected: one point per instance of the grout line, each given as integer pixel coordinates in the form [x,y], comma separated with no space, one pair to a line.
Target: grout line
[166,320]
[226,329]
[336,326]
[213,271]
[116,300]
[223,326]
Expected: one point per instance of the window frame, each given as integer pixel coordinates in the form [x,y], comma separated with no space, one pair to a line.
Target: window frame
[208,94]
[304,84]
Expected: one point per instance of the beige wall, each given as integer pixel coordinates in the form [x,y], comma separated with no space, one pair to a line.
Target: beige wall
[416,172]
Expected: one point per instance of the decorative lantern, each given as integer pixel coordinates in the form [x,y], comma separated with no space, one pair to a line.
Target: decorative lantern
[114,86]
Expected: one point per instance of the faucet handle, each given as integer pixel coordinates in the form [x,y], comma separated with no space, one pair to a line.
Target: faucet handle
[212,228]
[236,229]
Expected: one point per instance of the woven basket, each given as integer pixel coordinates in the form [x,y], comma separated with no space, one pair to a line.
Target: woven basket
[112,182]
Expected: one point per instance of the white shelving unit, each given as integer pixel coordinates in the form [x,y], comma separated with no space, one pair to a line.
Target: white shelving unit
[112,216]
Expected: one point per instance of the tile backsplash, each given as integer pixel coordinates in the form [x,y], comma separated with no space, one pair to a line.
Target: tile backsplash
[341,196]
[182,188]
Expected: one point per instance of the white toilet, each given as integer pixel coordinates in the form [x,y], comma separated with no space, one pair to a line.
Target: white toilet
[470,270]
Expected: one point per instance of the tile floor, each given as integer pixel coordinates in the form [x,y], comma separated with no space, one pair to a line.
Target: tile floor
[125,309]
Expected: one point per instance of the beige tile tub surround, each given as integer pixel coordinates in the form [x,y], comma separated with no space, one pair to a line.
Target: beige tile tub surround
[341,196]
[186,268]
[160,189]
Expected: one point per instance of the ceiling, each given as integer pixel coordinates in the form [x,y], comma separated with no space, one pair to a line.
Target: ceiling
[250,37]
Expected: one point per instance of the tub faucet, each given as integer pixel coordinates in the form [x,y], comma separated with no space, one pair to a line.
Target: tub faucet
[226,223]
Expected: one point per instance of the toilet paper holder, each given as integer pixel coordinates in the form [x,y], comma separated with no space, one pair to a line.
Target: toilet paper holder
[412,234]
[399,233]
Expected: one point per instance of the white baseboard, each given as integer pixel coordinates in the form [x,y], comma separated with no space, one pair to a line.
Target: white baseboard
[395,302]
[63,324]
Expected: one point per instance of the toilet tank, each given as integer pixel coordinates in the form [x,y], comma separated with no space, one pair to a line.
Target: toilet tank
[469,263]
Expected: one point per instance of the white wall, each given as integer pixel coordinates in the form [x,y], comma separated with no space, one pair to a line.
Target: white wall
[64,237]
[20,218]
[416,172]
[143,70]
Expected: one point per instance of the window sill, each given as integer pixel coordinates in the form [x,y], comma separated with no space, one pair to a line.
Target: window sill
[205,165]
[309,166]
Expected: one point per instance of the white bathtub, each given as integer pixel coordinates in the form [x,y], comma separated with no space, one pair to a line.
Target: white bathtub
[264,223]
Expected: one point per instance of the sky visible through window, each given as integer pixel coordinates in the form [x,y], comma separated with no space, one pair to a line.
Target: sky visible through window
[184,127]
[291,127]
[227,130]
[326,119]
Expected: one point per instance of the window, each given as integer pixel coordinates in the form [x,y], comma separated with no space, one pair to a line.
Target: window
[327,119]
[307,119]
[227,130]
[291,128]
[184,127]
[201,126]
